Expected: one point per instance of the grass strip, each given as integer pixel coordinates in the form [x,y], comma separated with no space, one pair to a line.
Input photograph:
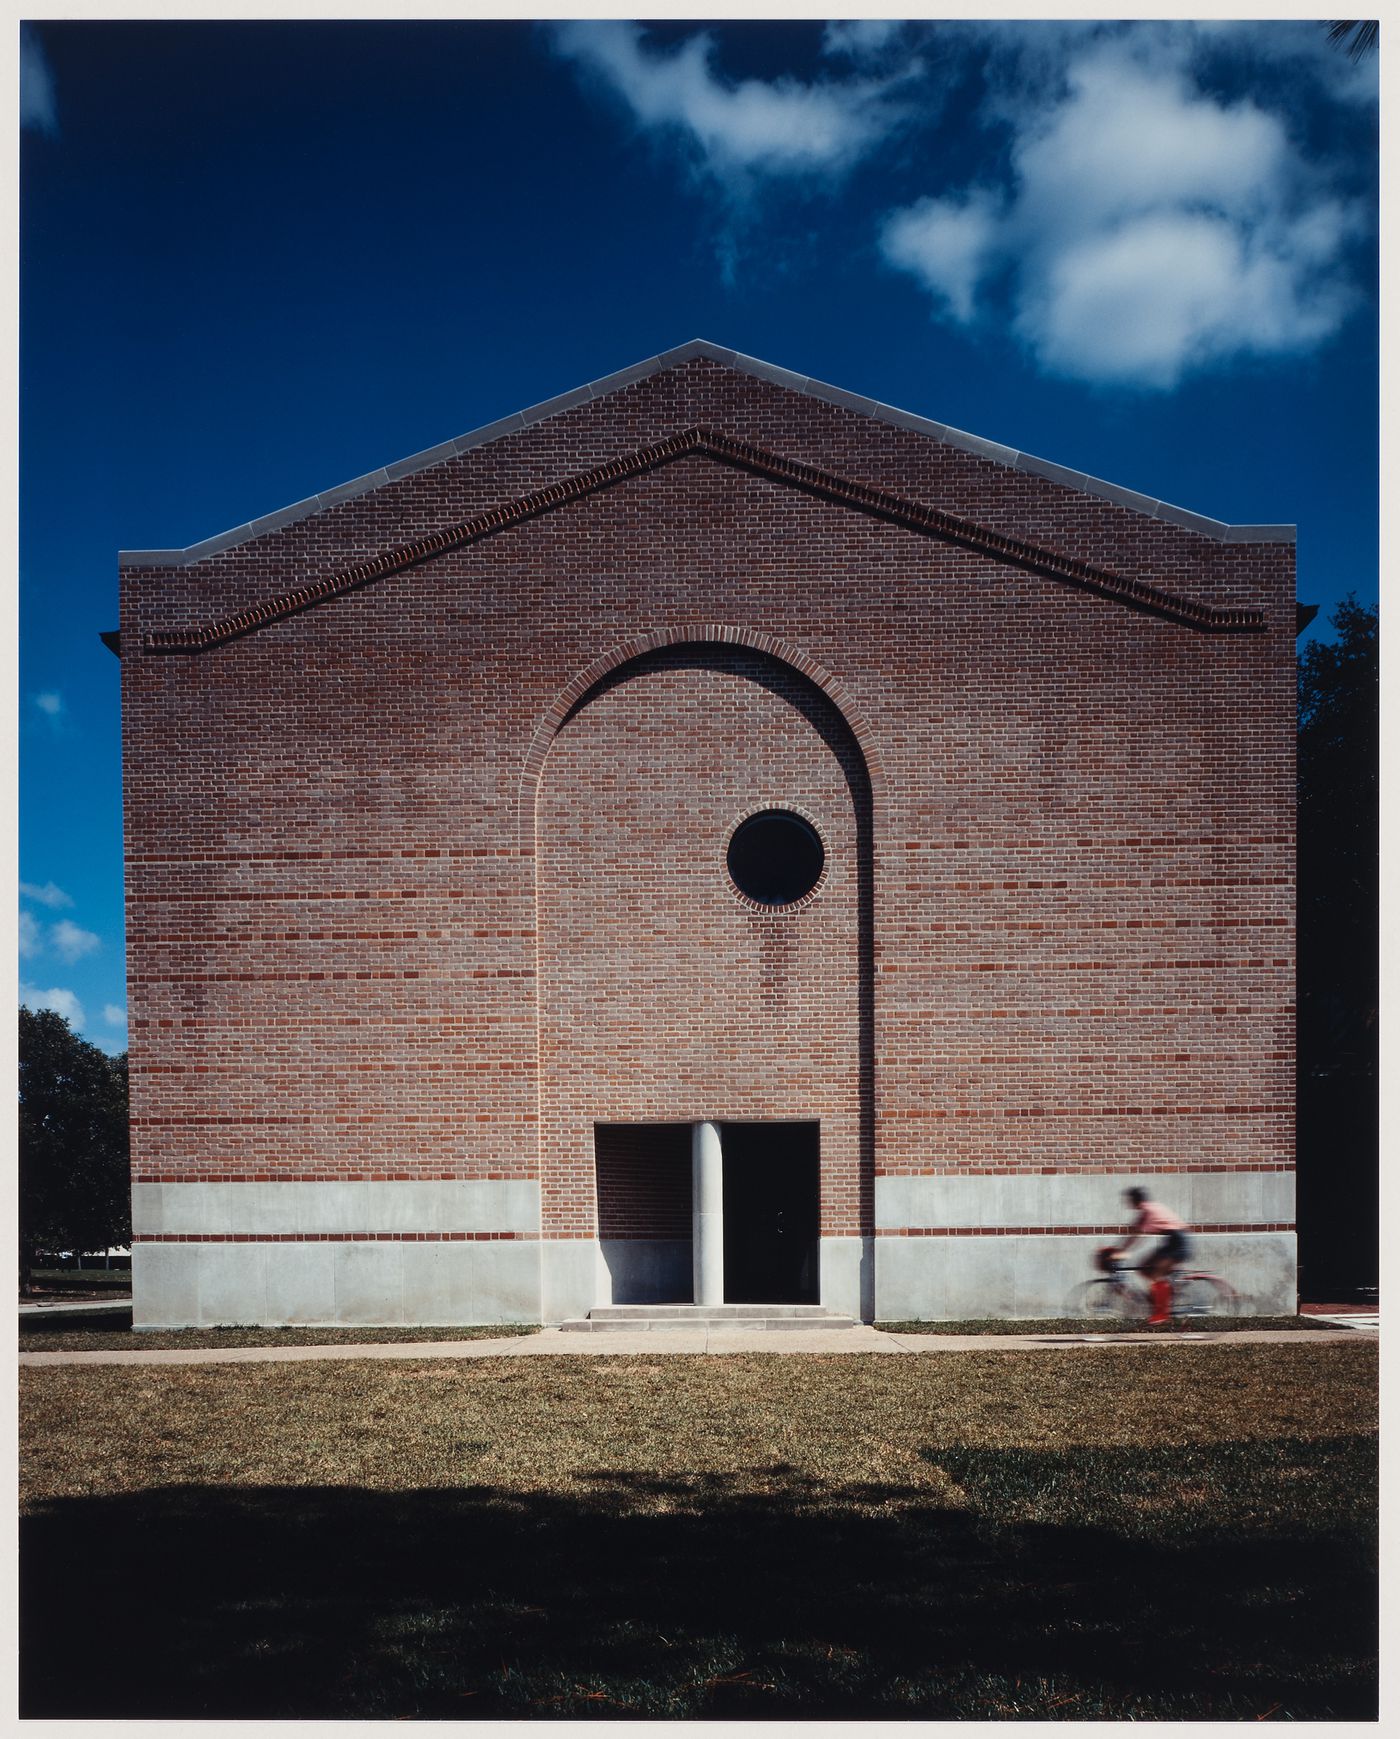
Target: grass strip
[78,1282]
[112,1332]
[1104,1325]
[1001,1536]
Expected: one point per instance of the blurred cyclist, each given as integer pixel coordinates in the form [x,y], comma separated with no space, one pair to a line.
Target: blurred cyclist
[1152,1220]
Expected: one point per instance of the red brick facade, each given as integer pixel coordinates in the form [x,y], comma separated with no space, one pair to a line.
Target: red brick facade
[426,847]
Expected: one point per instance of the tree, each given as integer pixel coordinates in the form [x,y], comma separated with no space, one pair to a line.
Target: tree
[1338,950]
[74,1177]
[1358,36]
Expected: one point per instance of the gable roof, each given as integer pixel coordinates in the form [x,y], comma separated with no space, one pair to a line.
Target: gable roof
[700,348]
[742,455]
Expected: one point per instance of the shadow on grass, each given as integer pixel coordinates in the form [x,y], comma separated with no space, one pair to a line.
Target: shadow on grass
[106,1321]
[764,1594]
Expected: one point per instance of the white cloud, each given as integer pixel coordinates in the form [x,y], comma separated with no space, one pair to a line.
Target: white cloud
[948,244]
[1129,139]
[1169,292]
[49,703]
[47,895]
[737,129]
[861,38]
[37,106]
[30,936]
[71,941]
[1151,227]
[60,1001]
[114,1015]
[1029,59]
[1139,302]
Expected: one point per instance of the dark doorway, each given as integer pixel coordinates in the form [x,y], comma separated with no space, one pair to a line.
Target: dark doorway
[644,1211]
[771,1224]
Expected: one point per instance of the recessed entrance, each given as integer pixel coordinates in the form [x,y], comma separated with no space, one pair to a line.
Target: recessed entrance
[771,1213]
[643,1174]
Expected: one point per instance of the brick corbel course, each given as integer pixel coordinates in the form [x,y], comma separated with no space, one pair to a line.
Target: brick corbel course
[862,497]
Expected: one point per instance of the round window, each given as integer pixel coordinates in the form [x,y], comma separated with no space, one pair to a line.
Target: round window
[775,857]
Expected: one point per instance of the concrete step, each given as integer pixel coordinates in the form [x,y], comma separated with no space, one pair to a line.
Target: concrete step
[632,1318]
[709,1312]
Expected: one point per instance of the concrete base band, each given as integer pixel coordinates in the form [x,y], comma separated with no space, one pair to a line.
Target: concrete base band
[223,1285]
[888,1279]
[1201,1198]
[468,1205]
[478,1278]
[962,1279]
[952,1278]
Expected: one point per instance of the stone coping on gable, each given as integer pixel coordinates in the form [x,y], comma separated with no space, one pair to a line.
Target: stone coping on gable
[696,349]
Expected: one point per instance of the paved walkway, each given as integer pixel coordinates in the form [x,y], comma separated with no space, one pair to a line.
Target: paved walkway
[662,1342]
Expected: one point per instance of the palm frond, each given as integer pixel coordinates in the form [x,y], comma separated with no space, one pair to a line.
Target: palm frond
[1359,37]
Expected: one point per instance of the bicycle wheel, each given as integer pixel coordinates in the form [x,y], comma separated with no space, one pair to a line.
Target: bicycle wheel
[1204,1295]
[1109,1299]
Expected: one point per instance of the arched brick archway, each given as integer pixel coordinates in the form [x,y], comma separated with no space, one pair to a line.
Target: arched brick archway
[666,998]
[699,634]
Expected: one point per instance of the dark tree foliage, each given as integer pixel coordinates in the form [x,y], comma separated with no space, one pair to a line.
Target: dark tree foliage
[1358,36]
[1338,951]
[74,1181]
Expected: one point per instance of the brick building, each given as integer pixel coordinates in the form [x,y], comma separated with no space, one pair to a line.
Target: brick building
[709,835]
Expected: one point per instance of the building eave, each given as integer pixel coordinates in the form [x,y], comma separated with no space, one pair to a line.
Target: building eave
[701,349]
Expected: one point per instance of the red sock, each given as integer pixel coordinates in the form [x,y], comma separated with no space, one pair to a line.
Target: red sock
[1161,1301]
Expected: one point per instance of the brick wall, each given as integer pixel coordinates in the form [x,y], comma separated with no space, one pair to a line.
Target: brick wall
[406,902]
[662,991]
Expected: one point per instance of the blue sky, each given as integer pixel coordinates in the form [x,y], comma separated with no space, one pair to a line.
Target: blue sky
[260,259]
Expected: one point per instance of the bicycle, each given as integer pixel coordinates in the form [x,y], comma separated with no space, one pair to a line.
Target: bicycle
[1113,1295]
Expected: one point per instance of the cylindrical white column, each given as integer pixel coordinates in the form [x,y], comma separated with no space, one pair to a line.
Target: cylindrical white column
[707,1216]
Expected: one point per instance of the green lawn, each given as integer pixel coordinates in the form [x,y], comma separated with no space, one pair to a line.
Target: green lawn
[1101,1533]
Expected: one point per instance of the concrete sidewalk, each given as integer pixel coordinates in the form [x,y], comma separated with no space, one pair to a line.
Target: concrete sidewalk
[551,1342]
